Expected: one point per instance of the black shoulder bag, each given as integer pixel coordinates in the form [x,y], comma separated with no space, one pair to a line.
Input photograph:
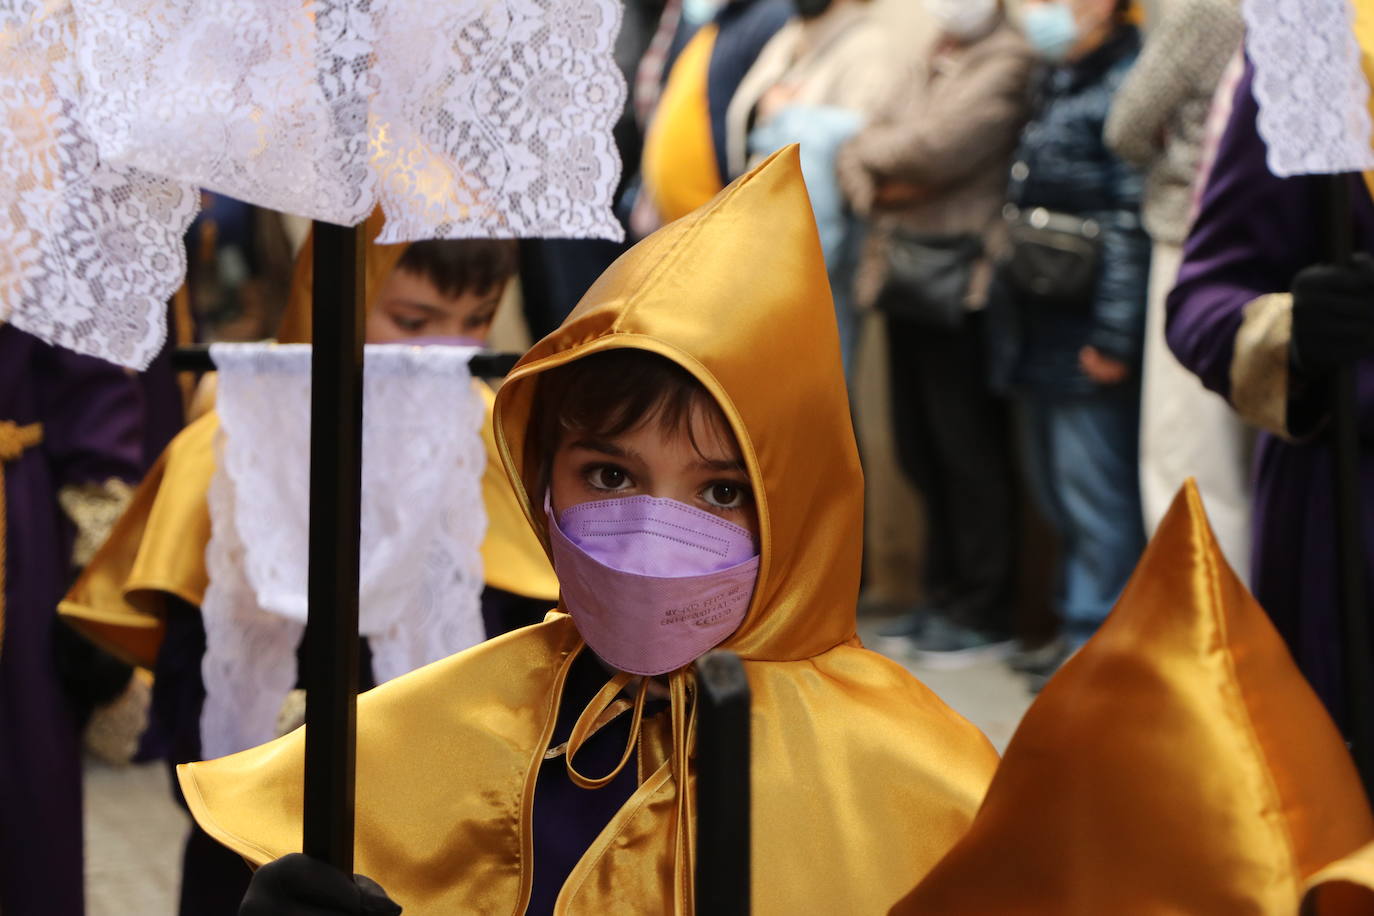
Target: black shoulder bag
[1054,258]
[928,277]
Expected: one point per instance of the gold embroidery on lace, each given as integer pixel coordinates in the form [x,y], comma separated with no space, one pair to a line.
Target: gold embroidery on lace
[93,508]
[1259,366]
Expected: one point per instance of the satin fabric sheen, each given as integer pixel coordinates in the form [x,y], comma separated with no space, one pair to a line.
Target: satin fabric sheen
[862,777]
[1178,763]
[680,170]
[156,548]
[606,553]
[1344,888]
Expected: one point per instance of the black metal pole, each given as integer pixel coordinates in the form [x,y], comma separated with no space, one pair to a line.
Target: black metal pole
[1345,449]
[331,645]
[723,786]
[491,364]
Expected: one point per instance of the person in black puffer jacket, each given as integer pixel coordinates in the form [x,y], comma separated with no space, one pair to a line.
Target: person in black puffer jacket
[1073,366]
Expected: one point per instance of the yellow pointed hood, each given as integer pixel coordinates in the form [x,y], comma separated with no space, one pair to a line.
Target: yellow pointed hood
[855,764]
[1178,763]
[736,293]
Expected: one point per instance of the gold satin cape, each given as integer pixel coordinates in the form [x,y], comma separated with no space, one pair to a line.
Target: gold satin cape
[158,545]
[862,777]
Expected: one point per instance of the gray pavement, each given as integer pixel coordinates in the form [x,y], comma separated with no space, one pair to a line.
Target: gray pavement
[134,833]
[134,830]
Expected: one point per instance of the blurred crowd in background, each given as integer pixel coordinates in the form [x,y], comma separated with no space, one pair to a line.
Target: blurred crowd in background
[1018,438]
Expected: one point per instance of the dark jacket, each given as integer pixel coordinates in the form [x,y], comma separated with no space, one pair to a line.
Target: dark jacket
[1063,164]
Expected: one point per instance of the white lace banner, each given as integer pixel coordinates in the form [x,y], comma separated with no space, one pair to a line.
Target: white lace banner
[89,254]
[422,524]
[463,118]
[1313,95]
[469,118]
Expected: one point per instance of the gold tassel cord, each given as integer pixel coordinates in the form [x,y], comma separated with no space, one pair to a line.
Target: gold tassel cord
[14,441]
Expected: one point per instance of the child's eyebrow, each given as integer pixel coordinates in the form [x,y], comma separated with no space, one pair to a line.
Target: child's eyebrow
[606,447]
[721,464]
[416,304]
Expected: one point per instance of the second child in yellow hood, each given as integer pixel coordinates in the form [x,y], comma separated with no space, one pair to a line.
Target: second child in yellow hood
[701,370]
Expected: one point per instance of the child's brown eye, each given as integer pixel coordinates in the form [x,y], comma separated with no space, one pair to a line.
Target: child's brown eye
[726,495]
[606,477]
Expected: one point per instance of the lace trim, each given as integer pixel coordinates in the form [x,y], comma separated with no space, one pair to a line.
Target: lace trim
[423,523]
[89,253]
[466,118]
[485,118]
[1313,95]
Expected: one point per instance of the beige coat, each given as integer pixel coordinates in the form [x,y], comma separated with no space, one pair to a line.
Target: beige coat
[845,59]
[951,133]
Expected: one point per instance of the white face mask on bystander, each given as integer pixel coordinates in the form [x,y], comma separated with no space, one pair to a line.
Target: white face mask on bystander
[963,20]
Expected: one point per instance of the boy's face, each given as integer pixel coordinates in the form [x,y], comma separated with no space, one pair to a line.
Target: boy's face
[410,306]
[651,460]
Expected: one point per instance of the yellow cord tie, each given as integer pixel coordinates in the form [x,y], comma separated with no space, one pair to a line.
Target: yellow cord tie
[682,700]
[588,722]
[682,693]
[14,441]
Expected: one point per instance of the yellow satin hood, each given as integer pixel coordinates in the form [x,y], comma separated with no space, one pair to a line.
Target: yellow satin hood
[737,294]
[1178,763]
[1343,888]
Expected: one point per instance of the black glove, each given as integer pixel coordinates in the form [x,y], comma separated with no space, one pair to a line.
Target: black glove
[1333,315]
[297,885]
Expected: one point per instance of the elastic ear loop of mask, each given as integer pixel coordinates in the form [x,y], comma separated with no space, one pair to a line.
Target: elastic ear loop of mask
[682,702]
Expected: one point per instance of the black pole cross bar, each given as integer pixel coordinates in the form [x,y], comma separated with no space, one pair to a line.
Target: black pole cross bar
[723,786]
[487,364]
[1350,545]
[331,634]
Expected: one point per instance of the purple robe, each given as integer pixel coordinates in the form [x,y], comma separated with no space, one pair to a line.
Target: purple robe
[92,416]
[1253,234]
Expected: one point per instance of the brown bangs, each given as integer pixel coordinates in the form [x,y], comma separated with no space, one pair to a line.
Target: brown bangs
[610,393]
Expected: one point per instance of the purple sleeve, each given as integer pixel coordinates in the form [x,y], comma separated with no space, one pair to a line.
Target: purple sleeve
[1253,233]
[93,418]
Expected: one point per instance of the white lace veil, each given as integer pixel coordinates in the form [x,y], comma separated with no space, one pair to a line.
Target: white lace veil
[466,118]
[422,525]
[1313,96]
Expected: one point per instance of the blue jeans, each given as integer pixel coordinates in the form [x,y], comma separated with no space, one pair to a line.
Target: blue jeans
[1081,455]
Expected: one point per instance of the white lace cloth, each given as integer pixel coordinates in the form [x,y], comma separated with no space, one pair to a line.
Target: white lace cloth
[462,118]
[89,254]
[1313,96]
[465,118]
[422,524]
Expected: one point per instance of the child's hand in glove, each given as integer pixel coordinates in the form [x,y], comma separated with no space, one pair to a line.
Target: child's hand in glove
[1333,315]
[297,885]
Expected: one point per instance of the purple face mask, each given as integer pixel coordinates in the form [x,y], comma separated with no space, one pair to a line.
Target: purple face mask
[652,584]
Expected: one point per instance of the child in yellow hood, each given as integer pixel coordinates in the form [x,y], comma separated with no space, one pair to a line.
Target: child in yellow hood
[141,594]
[682,446]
